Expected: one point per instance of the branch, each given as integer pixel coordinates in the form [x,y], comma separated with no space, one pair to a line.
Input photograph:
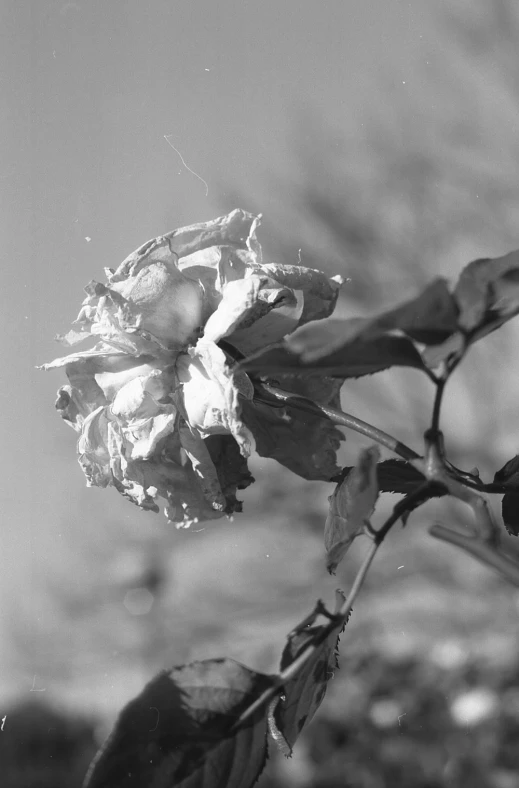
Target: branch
[344,611]
[435,423]
[480,550]
[295,666]
[344,420]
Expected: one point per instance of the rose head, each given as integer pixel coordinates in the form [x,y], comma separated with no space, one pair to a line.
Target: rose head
[159,410]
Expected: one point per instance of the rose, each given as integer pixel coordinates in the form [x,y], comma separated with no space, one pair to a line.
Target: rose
[159,409]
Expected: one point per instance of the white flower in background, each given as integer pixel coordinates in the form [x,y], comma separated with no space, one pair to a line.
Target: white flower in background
[158,408]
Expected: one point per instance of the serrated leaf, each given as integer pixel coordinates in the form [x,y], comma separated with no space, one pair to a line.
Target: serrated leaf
[350,361]
[395,476]
[408,504]
[510,512]
[231,468]
[304,442]
[487,294]
[362,346]
[398,476]
[305,692]
[351,506]
[509,473]
[428,318]
[176,733]
[509,476]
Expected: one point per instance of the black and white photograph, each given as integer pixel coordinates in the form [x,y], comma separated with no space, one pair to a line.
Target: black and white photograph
[259,478]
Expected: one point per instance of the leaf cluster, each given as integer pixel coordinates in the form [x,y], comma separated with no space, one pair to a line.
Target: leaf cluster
[205,724]
[434,329]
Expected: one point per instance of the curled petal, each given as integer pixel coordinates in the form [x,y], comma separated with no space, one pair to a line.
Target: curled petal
[203,467]
[210,394]
[245,302]
[89,372]
[236,229]
[94,455]
[157,303]
[320,291]
[139,398]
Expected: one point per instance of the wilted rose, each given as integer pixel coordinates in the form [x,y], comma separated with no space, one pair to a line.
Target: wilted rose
[159,410]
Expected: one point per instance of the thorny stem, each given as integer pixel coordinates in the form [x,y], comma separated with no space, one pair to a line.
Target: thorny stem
[343,612]
[344,420]
[286,675]
[480,550]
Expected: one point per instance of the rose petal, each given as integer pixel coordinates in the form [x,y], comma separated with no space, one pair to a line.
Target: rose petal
[320,291]
[243,304]
[203,467]
[237,229]
[209,394]
[94,456]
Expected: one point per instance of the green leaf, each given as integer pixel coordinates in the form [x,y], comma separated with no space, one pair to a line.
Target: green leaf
[429,318]
[510,512]
[396,476]
[177,732]
[487,294]
[305,443]
[399,476]
[351,506]
[362,346]
[305,692]
[508,475]
[231,468]
[350,361]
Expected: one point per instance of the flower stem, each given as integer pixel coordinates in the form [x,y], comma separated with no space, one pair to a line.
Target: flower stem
[435,423]
[335,620]
[480,550]
[344,420]
[293,669]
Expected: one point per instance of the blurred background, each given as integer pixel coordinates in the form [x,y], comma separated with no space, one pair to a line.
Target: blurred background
[379,141]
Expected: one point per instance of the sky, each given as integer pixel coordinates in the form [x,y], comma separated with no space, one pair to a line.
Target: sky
[125,120]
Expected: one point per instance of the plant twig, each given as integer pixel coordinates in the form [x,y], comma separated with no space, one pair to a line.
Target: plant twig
[435,423]
[343,612]
[295,666]
[480,550]
[344,420]
[341,615]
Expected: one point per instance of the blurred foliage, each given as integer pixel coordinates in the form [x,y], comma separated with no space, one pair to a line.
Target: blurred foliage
[41,747]
[447,721]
